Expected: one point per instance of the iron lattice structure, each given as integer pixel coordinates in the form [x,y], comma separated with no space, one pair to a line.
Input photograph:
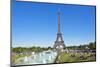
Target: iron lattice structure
[59,43]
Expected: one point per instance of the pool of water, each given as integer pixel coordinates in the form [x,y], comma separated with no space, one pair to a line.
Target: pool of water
[38,58]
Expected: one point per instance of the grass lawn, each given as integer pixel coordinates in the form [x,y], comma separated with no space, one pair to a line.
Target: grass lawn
[71,58]
[17,56]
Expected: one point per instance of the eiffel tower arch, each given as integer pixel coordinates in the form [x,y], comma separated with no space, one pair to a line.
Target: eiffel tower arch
[59,43]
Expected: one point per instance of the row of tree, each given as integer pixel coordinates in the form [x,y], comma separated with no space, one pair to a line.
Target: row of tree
[35,49]
[91,46]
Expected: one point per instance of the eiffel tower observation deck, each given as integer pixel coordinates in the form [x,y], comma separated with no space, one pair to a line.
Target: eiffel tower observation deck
[59,43]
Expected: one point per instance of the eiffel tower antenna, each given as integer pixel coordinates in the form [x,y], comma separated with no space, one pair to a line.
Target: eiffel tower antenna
[58,20]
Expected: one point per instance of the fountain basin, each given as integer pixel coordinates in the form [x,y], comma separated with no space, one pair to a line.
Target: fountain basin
[44,57]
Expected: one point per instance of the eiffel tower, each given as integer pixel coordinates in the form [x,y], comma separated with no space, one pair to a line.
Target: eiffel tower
[59,43]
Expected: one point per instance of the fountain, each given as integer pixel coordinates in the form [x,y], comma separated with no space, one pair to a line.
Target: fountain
[44,61]
[25,59]
[38,58]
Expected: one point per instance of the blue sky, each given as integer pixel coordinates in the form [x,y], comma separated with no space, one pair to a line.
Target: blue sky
[35,24]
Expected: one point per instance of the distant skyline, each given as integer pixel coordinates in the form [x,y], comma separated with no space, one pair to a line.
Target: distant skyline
[35,24]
